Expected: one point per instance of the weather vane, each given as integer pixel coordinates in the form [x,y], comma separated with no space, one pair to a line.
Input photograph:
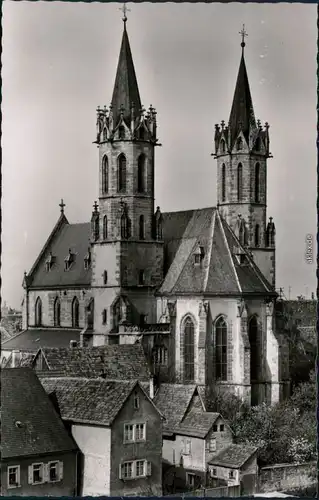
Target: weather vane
[124,9]
[243,34]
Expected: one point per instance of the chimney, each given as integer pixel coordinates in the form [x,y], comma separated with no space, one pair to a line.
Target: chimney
[15,358]
[73,343]
[152,387]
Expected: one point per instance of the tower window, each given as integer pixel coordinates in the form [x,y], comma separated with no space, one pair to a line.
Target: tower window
[240,182]
[221,349]
[141,277]
[105,227]
[142,227]
[257,236]
[141,174]
[87,260]
[257,181]
[105,277]
[258,144]
[239,144]
[160,355]
[75,313]
[105,175]
[189,365]
[125,226]
[222,146]
[121,173]
[223,182]
[142,133]
[68,261]
[104,316]
[38,312]
[121,132]
[57,312]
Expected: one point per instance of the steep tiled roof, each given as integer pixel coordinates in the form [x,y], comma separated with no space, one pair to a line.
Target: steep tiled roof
[125,88]
[29,422]
[197,423]
[242,114]
[234,456]
[34,338]
[75,237]
[219,272]
[173,400]
[118,362]
[87,400]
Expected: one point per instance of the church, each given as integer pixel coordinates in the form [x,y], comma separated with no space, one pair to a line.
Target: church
[195,287]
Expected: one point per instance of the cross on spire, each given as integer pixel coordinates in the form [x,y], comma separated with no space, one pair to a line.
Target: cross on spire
[243,34]
[124,9]
[62,205]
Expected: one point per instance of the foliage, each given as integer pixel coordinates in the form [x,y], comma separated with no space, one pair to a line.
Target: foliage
[228,405]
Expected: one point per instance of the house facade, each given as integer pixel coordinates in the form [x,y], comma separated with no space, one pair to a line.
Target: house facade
[38,456]
[207,274]
[118,430]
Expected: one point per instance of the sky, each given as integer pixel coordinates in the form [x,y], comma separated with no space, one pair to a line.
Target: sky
[59,62]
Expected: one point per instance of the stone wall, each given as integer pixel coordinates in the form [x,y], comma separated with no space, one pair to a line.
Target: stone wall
[287,477]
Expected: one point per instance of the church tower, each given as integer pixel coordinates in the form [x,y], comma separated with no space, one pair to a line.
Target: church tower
[127,245]
[242,151]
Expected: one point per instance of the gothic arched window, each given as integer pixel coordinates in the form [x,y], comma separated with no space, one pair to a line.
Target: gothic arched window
[121,132]
[254,354]
[124,227]
[239,182]
[221,349]
[141,227]
[121,173]
[189,348]
[223,182]
[257,181]
[222,146]
[141,174]
[90,314]
[239,144]
[105,227]
[57,312]
[105,175]
[75,313]
[257,236]
[38,312]
[258,144]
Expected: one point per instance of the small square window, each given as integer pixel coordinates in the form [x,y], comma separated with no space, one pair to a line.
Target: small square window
[221,427]
[53,472]
[128,433]
[139,432]
[191,479]
[37,473]
[13,476]
[140,468]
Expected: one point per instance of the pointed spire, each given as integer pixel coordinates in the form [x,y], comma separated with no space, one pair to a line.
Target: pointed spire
[242,112]
[125,91]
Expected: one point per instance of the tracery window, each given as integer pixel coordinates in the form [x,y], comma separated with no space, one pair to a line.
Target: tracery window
[221,349]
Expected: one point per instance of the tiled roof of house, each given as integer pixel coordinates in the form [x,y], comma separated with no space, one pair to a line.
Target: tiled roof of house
[117,362]
[234,456]
[197,423]
[173,400]
[89,401]
[29,422]
[65,237]
[219,273]
[34,338]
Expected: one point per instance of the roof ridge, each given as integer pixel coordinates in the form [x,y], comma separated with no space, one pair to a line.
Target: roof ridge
[189,210]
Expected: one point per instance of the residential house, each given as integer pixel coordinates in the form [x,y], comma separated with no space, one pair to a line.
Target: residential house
[191,435]
[118,430]
[38,456]
[235,465]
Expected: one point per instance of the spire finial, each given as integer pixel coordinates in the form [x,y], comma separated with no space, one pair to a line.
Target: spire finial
[124,9]
[243,34]
[62,205]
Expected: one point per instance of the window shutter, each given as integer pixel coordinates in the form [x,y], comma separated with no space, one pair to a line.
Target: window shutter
[120,471]
[45,469]
[30,474]
[60,471]
[149,469]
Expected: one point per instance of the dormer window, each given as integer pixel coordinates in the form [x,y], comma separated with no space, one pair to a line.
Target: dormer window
[199,255]
[68,260]
[87,260]
[49,262]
